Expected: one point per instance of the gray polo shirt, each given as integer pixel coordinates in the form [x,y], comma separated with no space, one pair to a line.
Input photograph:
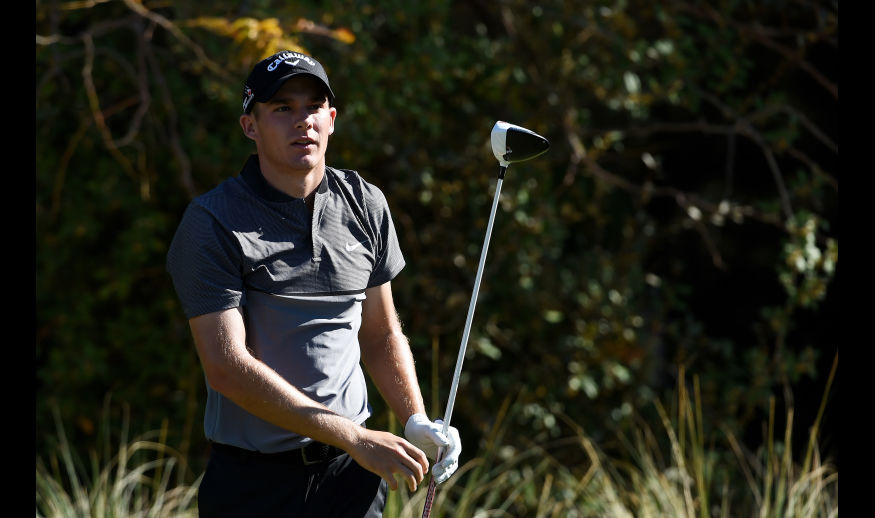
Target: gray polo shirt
[299,280]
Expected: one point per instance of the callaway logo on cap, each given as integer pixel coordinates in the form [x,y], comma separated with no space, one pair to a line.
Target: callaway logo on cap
[269,74]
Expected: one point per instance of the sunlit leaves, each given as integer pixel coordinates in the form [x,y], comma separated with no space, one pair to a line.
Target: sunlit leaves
[809,260]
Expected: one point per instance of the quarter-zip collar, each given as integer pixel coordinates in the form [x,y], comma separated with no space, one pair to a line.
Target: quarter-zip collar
[251,174]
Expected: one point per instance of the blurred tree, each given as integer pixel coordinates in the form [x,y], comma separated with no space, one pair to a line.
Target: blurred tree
[690,144]
[685,215]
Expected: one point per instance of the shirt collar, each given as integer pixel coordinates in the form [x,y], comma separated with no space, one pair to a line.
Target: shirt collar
[251,175]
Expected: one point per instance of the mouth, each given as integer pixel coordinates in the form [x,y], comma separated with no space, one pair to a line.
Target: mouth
[303,142]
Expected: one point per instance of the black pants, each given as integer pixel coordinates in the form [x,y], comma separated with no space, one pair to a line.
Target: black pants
[263,486]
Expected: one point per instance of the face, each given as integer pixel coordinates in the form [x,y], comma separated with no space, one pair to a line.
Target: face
[291,130]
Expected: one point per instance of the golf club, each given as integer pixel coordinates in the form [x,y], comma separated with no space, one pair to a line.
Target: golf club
[510,144]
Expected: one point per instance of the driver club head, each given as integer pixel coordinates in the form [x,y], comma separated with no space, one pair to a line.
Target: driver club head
[512,143]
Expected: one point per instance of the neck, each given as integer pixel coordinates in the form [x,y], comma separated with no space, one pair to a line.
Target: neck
[295,183]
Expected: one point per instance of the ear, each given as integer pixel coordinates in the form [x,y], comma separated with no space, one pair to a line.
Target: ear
[247,122]
[333,112]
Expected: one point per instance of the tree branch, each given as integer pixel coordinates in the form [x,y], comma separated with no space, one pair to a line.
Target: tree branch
[761,36]
[94,104]
[684,199]
[170,27]
[182,159]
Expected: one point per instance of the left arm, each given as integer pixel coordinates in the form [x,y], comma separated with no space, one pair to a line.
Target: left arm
[387,357]
[386,354]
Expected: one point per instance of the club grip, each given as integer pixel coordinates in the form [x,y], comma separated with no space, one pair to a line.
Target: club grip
[429,498]
[432,485]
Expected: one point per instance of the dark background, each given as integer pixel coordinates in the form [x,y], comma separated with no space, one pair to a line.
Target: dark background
[608,281]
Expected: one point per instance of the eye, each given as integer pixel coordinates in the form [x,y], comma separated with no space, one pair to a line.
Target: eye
[282,108]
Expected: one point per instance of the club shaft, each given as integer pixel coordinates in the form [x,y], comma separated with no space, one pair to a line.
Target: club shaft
[448,414]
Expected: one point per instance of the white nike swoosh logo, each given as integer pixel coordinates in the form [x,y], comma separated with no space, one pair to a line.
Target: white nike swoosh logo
[350,248]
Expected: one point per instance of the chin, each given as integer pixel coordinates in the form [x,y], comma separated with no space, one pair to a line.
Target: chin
[303,165]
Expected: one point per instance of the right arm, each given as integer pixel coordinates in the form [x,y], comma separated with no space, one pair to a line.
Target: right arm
[230,369]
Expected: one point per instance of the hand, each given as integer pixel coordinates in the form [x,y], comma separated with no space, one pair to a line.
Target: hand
[388,455]
[429,437]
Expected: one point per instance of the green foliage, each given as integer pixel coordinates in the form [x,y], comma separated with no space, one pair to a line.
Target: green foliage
[685,215]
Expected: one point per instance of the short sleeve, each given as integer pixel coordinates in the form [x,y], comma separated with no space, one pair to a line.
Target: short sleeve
[389,260]
[204,261]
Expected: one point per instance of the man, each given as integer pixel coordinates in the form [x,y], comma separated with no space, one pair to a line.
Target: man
[284,274]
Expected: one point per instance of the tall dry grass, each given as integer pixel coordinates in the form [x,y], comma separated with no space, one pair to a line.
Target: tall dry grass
[668,472]
[671,472]
[140,477]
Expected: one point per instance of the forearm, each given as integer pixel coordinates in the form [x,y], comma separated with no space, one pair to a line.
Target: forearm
[386,354]
[262,392]
[390,364]
[259,390]
[234,372]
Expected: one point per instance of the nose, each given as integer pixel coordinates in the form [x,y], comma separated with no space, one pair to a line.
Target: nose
[302,118]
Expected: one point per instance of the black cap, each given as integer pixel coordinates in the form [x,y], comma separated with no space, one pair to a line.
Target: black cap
[269,74]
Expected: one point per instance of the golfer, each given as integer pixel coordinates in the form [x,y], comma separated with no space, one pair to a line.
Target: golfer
[284,273]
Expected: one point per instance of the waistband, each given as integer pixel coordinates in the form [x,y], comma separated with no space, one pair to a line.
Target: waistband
[313,453]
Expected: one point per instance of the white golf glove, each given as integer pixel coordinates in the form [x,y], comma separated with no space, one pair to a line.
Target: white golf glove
[428,436]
